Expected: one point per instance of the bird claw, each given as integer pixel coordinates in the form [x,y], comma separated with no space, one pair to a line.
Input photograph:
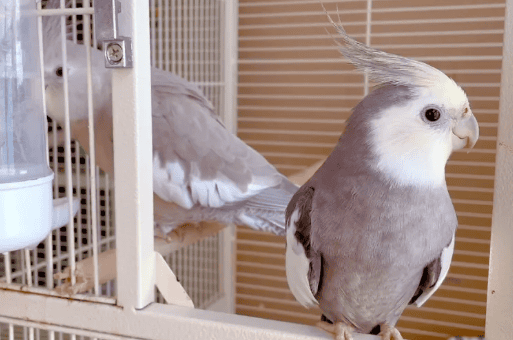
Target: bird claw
[166,237]
[66,288]
[177,234]
[388,333]
[159,233]
[340,330]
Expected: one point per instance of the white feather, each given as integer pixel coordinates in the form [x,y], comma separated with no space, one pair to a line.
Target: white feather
[203,191]
[176,171]
[228,191]
[410,151]
[417,158]
[446,258]
[169,184]
[297,266]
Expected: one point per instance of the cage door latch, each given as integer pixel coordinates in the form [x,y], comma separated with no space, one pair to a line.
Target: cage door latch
[117,49]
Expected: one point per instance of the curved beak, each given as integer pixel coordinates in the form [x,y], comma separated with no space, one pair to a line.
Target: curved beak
[466,130]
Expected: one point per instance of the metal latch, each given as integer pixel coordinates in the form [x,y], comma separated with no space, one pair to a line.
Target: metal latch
[117,49]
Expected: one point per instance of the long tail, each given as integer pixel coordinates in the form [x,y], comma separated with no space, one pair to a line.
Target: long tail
[266,211]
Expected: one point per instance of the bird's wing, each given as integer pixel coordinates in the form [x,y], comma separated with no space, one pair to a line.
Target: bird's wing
[196,159]
[433,276]
[303,263]
[168,82]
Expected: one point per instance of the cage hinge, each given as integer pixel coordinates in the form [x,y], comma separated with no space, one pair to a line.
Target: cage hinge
[117,49]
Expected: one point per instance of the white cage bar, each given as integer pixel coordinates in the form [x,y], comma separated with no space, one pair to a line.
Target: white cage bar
[131,97]
[499,308]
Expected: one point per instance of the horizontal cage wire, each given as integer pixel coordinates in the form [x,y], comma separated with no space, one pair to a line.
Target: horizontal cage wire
[186,38]
[15,329]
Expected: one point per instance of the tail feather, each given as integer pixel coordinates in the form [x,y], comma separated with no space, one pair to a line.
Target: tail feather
[274,223]
[273,199]
[266,210]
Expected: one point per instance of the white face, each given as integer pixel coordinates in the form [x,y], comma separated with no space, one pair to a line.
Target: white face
[77,82]
[414,141]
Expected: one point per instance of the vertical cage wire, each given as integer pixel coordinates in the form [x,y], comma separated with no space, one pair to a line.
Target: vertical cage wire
[192,35]
[93,167]
[37,267]
[368,29]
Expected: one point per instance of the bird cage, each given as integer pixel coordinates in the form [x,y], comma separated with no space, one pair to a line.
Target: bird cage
[198,266]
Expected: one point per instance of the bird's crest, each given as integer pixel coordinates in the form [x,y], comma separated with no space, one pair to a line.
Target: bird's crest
[383,67]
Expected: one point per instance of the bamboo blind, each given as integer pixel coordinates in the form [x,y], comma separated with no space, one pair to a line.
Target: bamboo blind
[295,93]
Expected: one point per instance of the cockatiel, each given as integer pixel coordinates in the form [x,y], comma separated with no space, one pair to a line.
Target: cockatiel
[373,229]
[201,171]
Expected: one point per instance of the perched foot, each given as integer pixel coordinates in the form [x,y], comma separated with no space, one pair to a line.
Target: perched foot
[388,333]
[340,330]
[81,285]
[160,234]
[179,233]
[176,234]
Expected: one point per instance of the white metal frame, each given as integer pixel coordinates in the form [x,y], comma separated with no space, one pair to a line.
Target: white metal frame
[229,117]
[156,321]
[499,307]
[230,55]
[133,184]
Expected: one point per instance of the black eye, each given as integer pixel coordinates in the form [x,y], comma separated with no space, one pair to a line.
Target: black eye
[58,71]
[432,115]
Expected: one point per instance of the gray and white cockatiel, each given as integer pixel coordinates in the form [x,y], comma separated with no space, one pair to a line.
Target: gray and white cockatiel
[373,229]
[201,171]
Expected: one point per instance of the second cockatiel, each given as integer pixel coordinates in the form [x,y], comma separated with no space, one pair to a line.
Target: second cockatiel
[373,229]
[201,171]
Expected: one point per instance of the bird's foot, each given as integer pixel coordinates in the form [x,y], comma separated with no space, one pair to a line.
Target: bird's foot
[160,234]
[388,333]
[66,288]
[340,330]
[179,232]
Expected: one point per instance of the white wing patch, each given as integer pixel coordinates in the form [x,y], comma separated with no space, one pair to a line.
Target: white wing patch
[204,191]
[297,266]
[445,260]
[169,183]
[172,184]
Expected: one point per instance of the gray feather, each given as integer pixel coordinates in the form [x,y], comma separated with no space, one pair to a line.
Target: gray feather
[182,114]
[187,131]
[384,67]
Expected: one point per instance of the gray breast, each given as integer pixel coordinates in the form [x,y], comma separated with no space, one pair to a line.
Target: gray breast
[375,241]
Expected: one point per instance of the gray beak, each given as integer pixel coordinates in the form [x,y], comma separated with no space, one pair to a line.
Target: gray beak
[466,130]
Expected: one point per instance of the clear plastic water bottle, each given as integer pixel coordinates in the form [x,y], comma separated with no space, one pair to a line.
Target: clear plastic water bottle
[25,178]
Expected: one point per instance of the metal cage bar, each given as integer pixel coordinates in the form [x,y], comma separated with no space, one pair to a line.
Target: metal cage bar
[131,95]
[500,296]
